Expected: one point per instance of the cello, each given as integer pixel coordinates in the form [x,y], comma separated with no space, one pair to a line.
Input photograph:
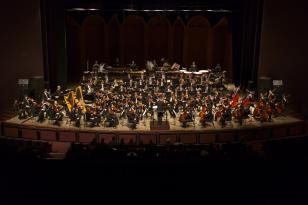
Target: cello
[202,114]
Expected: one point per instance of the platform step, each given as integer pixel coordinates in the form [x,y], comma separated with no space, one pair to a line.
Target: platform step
[56,155]
[164,125]
[6,115]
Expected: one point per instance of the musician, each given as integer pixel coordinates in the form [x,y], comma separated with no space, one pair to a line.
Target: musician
[43,111]
[186,116]
[168,89]
[106,78]
[58,93]
[75,115]
[84,80]
[23,108]
[132,117]
[89,88]
[193,67]
[150,66]
[218,67]
[116,63]
[94,119]
[46,95]
[141,83]
[102,86]
[101,67]
[130,82]
[57,115]
[175,66]
[133,65]
[160,110]
[163,76]
[165,63]
[155,65]
[95,67]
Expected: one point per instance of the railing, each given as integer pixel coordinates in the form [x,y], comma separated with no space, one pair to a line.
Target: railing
[202,136]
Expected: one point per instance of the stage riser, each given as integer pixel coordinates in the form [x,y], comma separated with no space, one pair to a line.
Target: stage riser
[155,137]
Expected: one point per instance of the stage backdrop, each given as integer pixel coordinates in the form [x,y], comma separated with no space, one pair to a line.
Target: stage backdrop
[140,39]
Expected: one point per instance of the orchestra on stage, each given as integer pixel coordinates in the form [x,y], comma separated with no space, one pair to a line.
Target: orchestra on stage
[107,95]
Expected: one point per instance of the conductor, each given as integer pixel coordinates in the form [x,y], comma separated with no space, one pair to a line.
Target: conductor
[160,111]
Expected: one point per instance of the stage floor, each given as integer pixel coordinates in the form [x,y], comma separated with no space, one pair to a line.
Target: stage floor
[174,124]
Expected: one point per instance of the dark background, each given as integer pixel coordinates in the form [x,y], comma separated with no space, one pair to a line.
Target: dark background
[33,43]
[283,55]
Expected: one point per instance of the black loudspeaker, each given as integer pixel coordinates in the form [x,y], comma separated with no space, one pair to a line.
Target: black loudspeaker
[36,87]
[23,88]
[264,84]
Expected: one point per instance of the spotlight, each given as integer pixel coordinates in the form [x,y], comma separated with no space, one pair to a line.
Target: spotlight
[83,9]
[219,11]
[129,10]
[76,9]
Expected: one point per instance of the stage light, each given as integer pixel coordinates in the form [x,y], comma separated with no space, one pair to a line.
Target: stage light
[76,9]
[219,11]
[83,9]
[129,10]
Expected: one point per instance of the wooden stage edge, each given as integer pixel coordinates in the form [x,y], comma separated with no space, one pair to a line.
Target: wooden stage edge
[260,131]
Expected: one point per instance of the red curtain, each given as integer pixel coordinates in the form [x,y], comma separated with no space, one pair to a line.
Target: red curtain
[114,40]
[178,44]
[198,42]
[133,39]
[74,49]
[222,45]
[93,39]
[158,29]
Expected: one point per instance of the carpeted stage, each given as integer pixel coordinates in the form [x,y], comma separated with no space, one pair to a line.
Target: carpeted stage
[284,126]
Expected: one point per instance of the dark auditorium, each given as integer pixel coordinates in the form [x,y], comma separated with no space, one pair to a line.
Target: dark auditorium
[171,101]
